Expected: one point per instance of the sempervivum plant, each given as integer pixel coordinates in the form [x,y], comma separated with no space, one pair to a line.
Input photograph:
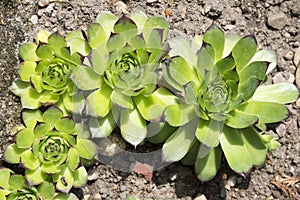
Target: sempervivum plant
[14,186]
[44,74]
[224,102]
[49,147]
[121,75]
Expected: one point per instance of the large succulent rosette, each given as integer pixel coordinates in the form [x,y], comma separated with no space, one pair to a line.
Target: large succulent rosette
[121,74]
[44,74]
[51,147]
[224,102]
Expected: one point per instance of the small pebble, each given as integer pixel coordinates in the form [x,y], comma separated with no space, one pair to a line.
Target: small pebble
[34,19]
[281,130]
[201,197]
[44,3]
[121,7]
[93,176]
[298,75]
[297,56]
[298,103]
[231,181]
[277,20]
[289,55]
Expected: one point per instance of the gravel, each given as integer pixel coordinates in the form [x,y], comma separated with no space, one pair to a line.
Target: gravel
[20,20]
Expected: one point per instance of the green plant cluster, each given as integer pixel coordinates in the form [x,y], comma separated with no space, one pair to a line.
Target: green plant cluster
[201,97]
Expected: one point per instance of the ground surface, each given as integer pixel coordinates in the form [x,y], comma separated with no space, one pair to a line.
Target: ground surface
[276,24]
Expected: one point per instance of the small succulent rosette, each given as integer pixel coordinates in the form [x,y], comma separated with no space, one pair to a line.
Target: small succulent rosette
[224,102]
[121,74]
[44,74]
[50,146]
[14,186]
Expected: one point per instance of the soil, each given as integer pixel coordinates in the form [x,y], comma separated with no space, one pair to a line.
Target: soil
[276,25]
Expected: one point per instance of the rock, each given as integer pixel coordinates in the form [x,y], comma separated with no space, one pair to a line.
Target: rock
[277,19]
[93,176]
[152,1]
[289,55]
[34,19]
[297,56]
[97,196]
[121,7]
[231,181]
[298,75]
[281,130]
[298,103]
[283,77]
[44,3]
[201,197]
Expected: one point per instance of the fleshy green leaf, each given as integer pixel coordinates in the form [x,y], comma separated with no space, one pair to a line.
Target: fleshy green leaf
[255,146]
[4,178]
[62,196]
[208,132]
[75,103]
[266,56]
[155,22]
[57,42]
[45,51]
[239,119]
[85,78]
[268,112]
[27,52]
[115,41]
[179,114]
[133,126]
[24,138]
[26,69]
[30,99]
[19,87]
[215,37]
[65,180]
[126,27]
[206,58]
[121,100]
[107,20]
[80,177]
[179,143]
[98,61]
[243,51]
[85,148]
[73,159]
[46,190]
[152,107]
[233,147]
[17,181]
[206,168]
[29,160]
[97,35]
[49,98]
[158,132]
[102,127]
[65,124]
[79,45]
[98,102]
[278,93]
[139,19]
[52,115]
[180,46]
[35,177]
[181,71]
[30,117]
[41,129]
[42,36]
[13,153]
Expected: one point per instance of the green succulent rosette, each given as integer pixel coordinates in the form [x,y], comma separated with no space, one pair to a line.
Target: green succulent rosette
[122,74]
[50,146]
[223,102]
[14,186]
[44,74]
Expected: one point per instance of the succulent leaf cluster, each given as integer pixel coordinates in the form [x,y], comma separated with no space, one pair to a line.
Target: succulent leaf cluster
[49,147]
[121,74]
[202,98]
[14,186]
[223,102]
